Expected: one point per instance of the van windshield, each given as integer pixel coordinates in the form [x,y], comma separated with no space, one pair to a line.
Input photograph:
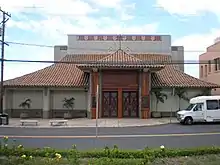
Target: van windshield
[189,108]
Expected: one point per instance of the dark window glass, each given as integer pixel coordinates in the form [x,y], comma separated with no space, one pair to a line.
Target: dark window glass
[212,104]
[198,107]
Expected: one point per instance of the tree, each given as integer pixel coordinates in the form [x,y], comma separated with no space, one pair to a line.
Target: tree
[69,104]
[181,93]
[160,96]
[26,104]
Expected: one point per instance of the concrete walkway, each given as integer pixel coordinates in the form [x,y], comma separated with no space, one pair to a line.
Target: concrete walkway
[83,122]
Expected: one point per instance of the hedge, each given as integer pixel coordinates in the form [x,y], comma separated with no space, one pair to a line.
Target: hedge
[115,152]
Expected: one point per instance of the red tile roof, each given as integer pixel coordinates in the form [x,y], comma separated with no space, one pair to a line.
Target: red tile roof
[172,77]
[68,75]
[57,75]
[120,59]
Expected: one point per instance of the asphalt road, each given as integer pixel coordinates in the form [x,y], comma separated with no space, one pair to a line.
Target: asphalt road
[171,135]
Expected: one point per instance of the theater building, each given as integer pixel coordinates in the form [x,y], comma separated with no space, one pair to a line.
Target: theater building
[134,75]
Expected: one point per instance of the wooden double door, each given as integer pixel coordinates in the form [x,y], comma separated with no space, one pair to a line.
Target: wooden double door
[129,104]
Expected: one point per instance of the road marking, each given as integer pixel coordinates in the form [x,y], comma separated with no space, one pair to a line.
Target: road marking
[111,136]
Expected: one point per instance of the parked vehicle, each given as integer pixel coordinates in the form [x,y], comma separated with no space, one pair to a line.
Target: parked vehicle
[201,109]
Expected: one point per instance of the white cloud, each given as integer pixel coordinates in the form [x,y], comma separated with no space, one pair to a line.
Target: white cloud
[197,44]
[57,7]
[55,26]
[108,4]
[17,52]
[189,7]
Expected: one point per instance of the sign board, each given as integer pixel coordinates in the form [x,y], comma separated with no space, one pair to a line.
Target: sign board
[119,37]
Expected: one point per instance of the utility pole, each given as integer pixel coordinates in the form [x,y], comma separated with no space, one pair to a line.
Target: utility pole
[5,18]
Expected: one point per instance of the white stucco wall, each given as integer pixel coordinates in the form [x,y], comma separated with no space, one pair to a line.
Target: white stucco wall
[172,102]
[58,95]
[60,51]
[36,96]
[178,56]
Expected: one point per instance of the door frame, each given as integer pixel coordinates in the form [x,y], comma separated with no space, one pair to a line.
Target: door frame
[137,108]
[109,116]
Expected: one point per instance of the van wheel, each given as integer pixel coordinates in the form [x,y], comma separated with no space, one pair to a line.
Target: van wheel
[188,121]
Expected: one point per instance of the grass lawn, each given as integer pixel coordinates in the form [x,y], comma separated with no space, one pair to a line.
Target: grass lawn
[198,160]
[195,160]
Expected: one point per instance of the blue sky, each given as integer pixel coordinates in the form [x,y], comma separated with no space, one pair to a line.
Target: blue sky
[193,24]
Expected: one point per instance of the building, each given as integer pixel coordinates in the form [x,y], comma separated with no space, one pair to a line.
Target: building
[132,44]
[209,69]
[133,73]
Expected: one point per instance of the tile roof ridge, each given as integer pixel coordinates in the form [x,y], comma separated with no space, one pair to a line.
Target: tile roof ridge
[125,53]
[133,56]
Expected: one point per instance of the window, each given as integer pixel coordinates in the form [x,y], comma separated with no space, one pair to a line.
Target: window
[212,104]
[198,107]
[189,108]
[216,64]
[206,71]
[218,103]
[174,48]
[201,71]
[210,67]
[63,48]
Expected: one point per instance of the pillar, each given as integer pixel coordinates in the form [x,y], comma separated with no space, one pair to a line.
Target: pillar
[95,79]
[46,103]
[145,94]
[89,96]
[120,112]
[100,92]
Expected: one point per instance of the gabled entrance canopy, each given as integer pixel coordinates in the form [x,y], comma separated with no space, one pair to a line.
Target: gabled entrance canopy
[121,60]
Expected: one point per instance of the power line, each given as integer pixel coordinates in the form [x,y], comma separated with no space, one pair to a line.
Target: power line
[112,62]
[95,49]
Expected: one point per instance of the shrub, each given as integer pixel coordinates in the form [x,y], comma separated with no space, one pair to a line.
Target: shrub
[73,156]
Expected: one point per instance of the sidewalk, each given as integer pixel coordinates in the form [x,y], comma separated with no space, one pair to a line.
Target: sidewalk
[83,122]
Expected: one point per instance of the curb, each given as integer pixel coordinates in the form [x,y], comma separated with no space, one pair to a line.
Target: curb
[86,126]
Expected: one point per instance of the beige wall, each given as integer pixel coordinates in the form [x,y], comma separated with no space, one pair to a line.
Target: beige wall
[85,47]
[58,95]
[90,47]
[36,96]
[172,102]
[204,72]
[14,97]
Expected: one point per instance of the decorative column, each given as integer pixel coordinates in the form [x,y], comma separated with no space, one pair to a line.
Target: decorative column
[95,81]
[89,96]
[100,92]
[120,113]
[46,103]
[145,95]
[139,93]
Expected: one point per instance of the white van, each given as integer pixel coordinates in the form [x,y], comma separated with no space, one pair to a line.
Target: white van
[201,109]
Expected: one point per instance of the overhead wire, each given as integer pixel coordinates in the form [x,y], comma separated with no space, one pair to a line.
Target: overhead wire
[95,49]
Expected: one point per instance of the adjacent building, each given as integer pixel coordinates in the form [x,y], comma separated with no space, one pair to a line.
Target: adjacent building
[118,76]
[209,69]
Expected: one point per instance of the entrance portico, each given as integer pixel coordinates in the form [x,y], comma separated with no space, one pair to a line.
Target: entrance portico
[124,86]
